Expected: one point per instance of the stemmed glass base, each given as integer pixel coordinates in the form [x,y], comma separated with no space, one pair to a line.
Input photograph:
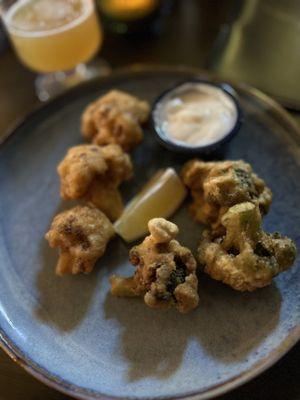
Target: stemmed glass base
[53,84]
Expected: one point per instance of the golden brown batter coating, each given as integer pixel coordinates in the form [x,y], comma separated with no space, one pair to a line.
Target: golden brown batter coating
[246,257]
[165,271]
[115,118]
[82,234]
[216,186]
[94,173]
[105,196]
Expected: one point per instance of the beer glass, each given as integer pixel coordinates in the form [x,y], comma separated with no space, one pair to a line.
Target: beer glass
[54,38]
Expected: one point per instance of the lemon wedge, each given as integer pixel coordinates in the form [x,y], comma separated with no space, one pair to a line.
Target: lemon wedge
[160,197]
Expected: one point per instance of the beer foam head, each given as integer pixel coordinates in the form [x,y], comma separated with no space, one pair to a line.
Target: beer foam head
[36,18]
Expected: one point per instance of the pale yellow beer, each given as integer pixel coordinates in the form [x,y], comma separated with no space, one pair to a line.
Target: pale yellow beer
[54,35]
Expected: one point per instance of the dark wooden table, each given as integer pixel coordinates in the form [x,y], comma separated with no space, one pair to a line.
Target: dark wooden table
[187,38]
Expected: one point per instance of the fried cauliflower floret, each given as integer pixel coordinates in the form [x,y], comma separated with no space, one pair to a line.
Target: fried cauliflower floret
[114,126]
[81,234]
[216,186]
[94,173]
[246,257]
[115,118]
[105,196]
[165,271]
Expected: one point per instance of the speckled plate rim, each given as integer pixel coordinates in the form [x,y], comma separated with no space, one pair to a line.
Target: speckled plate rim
[291,339]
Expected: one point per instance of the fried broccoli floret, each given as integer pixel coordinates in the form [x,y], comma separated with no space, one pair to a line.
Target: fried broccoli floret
[115,118]
[94,173]
[165,271]
[81,234]
[216,186]
[245,257]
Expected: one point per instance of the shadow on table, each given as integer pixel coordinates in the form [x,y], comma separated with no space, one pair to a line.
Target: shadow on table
[228,325]
[63,301]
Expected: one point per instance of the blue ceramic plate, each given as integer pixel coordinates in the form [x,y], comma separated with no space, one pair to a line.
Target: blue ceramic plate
[70,333]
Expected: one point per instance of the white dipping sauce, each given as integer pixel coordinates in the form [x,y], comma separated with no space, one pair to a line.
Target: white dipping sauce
[197,114]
